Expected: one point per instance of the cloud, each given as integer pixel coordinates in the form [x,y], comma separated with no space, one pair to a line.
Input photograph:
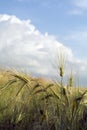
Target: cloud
[79,35]
[75,12]
[24,47]
[77,40]
[80,3]
[79,7]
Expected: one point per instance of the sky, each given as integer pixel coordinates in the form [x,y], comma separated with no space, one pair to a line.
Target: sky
[32,33]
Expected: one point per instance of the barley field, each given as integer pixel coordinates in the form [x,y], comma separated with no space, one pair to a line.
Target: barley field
[29,103]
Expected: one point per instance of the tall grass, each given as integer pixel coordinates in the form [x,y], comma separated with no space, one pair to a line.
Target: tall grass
[28,103]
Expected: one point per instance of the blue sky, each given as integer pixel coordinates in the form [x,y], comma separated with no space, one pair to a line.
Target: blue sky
[54,16]
[66,20]
[60,18]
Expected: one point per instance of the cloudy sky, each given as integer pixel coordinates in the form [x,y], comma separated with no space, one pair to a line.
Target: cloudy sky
[32,32]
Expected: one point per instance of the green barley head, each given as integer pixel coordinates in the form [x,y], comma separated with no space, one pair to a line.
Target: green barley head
[70,81]
[61,64]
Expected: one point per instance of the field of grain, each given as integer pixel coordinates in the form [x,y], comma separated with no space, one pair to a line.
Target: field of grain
[29,103]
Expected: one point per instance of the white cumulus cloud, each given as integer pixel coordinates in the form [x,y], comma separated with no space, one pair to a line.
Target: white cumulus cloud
[24,47]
